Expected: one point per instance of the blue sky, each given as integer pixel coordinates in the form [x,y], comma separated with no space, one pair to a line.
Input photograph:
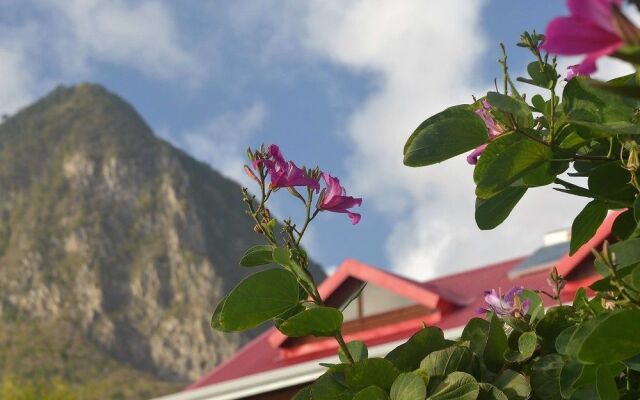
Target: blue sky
[339,84]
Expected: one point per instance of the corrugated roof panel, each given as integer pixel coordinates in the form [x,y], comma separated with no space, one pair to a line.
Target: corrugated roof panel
[542,258]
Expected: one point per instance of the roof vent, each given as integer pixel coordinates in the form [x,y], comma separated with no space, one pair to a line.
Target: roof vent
[556,245]
[557,236]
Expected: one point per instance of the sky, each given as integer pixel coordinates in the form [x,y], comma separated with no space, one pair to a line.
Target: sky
[336,84]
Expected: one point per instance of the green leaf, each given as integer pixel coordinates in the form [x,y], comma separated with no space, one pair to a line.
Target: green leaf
[408,386]
[625,226]
[443,362]
[371,372]
[610,337]
[539,103]
[454,131]
[493,211]
[632,280]
[543,175]
[554,321]
[586,224]
[542,75]
[625,86]
[476,333]
[257,298]
[626,253]
[371,393]
[512,105]
[353,296]
[611,181]
[493,354]
[514,385]
[562,340]
[527,343]
[490,392]
[504,167]
[456,386]
[257,255]
[216,322]
[607,129]
[303,276]
[316,321]
[573,375]
[536,307]
[304,394]
[545,377]
[408,355]
[327,387]
[606,384]
[582,101]
[357,349]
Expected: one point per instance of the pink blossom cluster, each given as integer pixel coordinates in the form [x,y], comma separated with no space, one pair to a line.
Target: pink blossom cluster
[283,173]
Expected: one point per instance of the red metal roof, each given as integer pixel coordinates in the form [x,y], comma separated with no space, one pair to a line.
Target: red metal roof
[457,297]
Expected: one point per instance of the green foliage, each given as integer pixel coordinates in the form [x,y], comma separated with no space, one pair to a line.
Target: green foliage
[316,321]
[358,350]
[586,224]
[257,255]
[521,350]
[408,386]
[493,211]
[447,134]
[258,298]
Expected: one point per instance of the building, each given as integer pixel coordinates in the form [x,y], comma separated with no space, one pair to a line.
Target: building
[389,310]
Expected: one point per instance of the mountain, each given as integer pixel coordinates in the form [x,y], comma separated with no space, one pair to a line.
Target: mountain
[114,249]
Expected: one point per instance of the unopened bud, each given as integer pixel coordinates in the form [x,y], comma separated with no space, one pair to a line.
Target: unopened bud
[250,155]
[250,174]
[257,229]
[295,193]
[633,162]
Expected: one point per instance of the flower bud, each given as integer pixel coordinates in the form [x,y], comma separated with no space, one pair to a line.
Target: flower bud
[257,229]
[250,173]
[250,156]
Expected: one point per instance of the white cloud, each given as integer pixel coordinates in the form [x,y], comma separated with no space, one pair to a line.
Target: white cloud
[17,83]
[141,35]
[69,39]
[222,141]
[425,56]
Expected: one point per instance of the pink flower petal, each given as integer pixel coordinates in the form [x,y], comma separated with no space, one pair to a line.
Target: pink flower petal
[598,12]
[475,154]
[355,218]
[570,36]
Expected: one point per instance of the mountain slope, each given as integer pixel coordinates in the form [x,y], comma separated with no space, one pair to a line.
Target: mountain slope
[114,237]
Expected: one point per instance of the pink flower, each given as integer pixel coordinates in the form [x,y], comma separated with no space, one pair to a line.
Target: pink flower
[574,70]
[334,198]
[284,173]
[590,30]
[493,130]
[507,305]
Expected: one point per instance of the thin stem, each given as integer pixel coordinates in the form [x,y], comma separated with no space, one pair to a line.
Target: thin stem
[552,117]
[254,214]
[344,348]
[505,69]
[308,216]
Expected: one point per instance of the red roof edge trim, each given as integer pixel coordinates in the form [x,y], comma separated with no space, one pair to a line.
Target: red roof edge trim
[384,279]
[569,263]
